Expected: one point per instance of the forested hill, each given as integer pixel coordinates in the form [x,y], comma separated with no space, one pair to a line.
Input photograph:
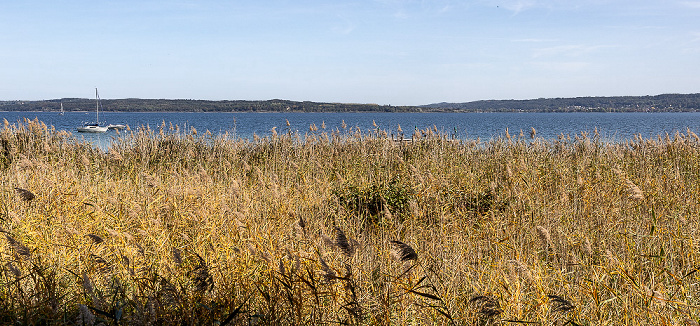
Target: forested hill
[161,105]
[658,103]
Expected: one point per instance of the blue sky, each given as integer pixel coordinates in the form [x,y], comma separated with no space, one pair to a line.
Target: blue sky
[373,51]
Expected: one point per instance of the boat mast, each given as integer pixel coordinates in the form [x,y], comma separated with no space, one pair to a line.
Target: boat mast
[97,97]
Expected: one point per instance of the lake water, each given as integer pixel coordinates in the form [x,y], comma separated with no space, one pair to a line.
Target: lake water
[610,126]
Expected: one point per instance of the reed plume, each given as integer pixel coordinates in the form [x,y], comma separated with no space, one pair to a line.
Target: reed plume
[102,265]
[177,256]
[25,194]
[559,304]
[328,273]
[200,276]
[300,226]
[95,238]
[301,222]
[327,241]
[486,306]
[545,238]
[342,243]
[520,268]
[402,252]
[85,316]
[588,247]
[89,289]
[19,248]
[12,269]
[634,192]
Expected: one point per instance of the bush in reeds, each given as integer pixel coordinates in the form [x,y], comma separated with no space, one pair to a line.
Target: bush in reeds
[376,199]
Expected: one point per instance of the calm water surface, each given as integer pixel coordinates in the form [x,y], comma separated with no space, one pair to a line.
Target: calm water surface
[610,126]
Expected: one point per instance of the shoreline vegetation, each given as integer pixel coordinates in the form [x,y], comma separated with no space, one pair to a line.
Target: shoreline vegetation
[657,103]
[347,227]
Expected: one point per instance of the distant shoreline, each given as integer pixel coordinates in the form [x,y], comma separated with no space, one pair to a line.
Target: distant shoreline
[327,112]
[657,103]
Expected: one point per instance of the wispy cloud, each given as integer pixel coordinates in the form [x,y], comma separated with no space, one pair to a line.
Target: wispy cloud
[562,67]
[534,40]
[514,6]
[692,45]
[405,9]
[445,8]
[690,4]
[695,37]
[566,50]
[401,14]
[343,26]
[518,6]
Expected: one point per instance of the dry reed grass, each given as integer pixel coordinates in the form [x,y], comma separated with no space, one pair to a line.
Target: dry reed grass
[180,228]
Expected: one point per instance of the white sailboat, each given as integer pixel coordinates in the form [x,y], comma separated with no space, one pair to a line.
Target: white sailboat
[115,126]
[94,127]
[62,112]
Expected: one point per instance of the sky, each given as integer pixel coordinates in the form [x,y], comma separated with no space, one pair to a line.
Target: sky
[387,52]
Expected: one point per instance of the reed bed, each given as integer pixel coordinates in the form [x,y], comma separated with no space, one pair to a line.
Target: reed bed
[347,227]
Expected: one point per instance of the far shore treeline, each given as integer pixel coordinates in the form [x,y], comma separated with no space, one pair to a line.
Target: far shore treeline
[657,103]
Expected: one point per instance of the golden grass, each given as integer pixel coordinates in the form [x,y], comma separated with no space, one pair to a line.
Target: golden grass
[347,227]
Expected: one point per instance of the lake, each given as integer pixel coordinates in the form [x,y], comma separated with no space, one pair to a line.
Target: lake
[610,126]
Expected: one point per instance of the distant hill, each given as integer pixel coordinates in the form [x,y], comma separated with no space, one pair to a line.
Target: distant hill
[163,105]
[658,103]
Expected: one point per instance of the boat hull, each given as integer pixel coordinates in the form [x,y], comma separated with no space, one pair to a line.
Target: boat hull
[92,129]
[115,127]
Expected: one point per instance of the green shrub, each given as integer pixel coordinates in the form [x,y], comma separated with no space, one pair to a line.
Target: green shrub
[372,200]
